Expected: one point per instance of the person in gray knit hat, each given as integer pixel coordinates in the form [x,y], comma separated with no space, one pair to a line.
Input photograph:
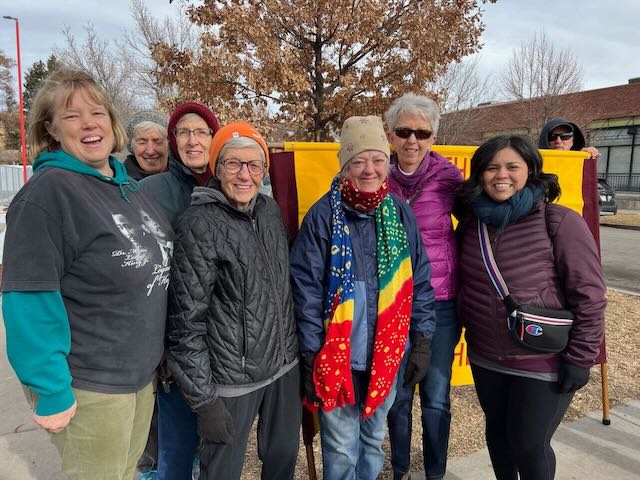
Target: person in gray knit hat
[361,284]
[147,143]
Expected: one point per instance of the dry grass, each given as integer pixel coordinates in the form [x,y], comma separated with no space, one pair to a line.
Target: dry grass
[621,219]
[467,429]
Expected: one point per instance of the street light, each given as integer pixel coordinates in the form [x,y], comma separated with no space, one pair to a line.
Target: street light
[23,143]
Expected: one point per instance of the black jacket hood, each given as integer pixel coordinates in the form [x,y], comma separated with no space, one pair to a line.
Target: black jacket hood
[578,136]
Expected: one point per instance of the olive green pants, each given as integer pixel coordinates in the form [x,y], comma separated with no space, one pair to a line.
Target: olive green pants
[107,436]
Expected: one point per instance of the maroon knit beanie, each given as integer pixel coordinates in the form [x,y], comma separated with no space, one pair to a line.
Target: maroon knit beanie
[180,111]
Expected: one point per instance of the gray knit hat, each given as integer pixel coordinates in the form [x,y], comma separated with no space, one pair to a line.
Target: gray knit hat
[360,134]
[144,116]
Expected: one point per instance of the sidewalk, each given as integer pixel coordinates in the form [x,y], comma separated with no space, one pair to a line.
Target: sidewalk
[585,449]
[25,450]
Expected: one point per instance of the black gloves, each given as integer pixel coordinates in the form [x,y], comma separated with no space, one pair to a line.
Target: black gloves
[214,422]
[418,361]
[572,378]
[306,378]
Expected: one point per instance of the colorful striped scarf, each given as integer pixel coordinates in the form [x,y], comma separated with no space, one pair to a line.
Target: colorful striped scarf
[332,367]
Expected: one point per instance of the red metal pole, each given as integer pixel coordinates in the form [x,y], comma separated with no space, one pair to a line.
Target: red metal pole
[23,143]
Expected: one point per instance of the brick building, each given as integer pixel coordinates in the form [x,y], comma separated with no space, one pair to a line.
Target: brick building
[609,118]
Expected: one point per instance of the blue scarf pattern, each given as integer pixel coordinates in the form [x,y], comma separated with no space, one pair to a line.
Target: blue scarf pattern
[501,214]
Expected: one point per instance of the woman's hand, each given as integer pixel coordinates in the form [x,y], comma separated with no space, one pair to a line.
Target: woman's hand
[57,422]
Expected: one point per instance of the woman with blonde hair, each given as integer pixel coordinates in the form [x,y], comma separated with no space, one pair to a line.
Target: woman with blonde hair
[82,285]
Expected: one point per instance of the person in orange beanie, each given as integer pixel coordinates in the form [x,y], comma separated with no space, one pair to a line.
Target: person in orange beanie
[233,344]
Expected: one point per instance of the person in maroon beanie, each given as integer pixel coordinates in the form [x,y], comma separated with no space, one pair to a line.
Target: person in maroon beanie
[190,131]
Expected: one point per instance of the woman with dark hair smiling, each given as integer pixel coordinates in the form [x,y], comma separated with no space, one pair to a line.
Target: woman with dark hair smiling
[548,259]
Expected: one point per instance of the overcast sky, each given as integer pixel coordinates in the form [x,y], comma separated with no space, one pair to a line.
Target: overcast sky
[603,35]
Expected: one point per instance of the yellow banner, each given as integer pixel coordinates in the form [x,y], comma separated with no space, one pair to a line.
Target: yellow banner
[317,163]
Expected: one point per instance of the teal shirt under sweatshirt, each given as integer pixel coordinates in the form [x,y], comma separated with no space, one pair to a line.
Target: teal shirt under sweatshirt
[86,269]
[39,355]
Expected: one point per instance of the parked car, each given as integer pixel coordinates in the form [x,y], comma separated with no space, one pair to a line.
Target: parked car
[607,201]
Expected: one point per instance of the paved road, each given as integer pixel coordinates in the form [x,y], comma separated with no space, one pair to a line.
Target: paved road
[621,258]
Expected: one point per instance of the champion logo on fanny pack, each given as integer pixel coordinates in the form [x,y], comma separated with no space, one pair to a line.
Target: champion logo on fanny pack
[534,330]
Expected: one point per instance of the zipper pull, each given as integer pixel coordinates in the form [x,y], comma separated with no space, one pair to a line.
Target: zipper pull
[165,385]
[243,363]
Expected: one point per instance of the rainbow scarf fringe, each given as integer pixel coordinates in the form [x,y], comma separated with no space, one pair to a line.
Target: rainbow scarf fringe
[332,367]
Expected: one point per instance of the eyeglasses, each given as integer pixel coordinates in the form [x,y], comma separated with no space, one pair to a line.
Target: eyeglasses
[406,133]
[233,166]
[562,136]
[200,133]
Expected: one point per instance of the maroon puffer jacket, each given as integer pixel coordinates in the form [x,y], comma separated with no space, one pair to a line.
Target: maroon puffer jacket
[563,273]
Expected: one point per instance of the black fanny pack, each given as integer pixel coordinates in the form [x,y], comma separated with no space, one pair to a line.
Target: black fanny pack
[536,328]
[540,329]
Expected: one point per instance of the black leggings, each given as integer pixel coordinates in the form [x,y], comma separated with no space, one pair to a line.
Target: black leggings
[521,416]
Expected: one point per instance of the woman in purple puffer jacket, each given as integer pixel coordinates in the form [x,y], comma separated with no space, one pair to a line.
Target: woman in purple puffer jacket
[428,182]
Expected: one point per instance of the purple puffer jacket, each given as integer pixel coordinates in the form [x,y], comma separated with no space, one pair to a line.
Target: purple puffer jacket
[432,207]
[545,261]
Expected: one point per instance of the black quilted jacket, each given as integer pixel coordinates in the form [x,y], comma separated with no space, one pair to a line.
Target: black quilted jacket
[231,316]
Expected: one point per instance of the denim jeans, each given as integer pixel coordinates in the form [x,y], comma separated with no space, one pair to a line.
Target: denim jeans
[434,401]
[177,435]
[351,446]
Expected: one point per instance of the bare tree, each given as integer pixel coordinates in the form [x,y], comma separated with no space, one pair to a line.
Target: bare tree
[97,57]
[136,46]
[460,90]
[7,95]
[538,70]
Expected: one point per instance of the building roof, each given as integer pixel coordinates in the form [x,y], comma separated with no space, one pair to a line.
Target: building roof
[589,109]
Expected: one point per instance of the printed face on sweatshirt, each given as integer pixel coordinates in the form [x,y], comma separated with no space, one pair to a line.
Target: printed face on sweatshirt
[411,150]
[126,228]
[240,187]
[84,131]
[505,174]
[150,244]
[151,226]
[193,140]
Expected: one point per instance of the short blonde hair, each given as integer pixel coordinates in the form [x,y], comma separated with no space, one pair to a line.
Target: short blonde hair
[57,90]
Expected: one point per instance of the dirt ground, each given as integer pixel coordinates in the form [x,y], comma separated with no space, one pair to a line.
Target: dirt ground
[467,430]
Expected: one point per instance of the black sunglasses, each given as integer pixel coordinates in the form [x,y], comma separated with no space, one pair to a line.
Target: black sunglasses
[563,136]
[406,133]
